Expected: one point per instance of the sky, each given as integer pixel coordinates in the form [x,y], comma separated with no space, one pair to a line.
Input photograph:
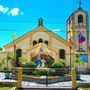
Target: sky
[22,16]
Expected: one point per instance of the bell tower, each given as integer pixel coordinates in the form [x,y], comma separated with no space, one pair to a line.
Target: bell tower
[78,35]
[78,21]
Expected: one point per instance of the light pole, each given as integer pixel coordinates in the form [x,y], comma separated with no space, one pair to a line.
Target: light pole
[71,35]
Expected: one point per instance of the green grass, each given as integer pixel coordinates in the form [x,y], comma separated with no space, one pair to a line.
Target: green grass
[6,88]
[84,89]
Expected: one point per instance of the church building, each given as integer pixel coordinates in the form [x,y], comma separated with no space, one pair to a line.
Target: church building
[43,42]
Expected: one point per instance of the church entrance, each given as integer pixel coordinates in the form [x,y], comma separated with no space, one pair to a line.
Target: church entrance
[47,58]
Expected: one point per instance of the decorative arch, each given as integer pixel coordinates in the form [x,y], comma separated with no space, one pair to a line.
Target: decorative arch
[80,18]
[62,54]
[40,40]
[34,42]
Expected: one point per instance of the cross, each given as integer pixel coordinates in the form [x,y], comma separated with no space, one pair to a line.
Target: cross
[80,3]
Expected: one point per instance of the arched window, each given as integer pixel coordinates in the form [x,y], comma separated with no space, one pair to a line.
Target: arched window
[40,40]
[46,42]
[18,54]
[62,54]
[80,18]
[34,42]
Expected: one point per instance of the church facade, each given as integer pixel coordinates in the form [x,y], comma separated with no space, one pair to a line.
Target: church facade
[43,42]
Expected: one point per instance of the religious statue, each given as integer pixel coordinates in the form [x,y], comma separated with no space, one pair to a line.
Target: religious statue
[38,61]
[43,63]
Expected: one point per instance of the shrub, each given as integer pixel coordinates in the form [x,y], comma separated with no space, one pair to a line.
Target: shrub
[56,65]
[44,72]
[10,56]
[30,64]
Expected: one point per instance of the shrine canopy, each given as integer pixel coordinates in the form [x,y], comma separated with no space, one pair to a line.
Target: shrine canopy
[42,49]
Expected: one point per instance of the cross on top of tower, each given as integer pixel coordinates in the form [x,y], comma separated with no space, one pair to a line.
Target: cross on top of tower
[80,3]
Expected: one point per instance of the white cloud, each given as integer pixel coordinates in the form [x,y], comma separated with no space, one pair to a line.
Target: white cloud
[15,12]
[56,30]
[4,9]
[12,12]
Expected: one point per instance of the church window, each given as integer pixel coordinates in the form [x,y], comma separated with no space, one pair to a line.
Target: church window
[80,18]
[40,40]
[18,55]
[34,42]
[62,54]
[46,42]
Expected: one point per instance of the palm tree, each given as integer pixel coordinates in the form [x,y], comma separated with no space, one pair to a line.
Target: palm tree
[77,61]
[10,57]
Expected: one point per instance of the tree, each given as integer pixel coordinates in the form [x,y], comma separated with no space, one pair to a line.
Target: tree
[77,61]
[10,57]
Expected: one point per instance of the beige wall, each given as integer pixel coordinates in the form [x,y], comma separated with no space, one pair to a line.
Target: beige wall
[57,45]
[40,34]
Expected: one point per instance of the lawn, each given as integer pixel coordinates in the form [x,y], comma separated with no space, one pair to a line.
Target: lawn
[84,89]
[6,88]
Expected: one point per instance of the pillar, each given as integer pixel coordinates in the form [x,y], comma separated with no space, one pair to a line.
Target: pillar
[19,82]
[74,83]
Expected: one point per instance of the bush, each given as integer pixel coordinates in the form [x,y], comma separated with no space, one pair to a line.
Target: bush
[30,64]
[44,72]
[56,65]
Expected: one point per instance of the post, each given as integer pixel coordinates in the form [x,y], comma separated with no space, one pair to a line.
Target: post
[15,55]
[70,57]
[19,82]
[74,83]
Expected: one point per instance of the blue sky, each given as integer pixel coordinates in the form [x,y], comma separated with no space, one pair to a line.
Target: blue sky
[22,16]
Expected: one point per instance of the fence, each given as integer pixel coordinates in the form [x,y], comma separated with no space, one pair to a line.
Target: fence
[49,78]
[43,77]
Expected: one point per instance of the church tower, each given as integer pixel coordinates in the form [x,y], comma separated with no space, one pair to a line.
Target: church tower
[77,26]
